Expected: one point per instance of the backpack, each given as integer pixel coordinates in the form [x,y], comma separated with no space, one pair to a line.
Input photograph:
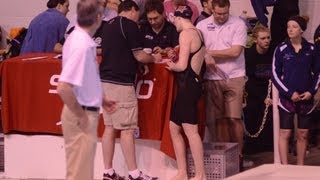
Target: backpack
[14,42]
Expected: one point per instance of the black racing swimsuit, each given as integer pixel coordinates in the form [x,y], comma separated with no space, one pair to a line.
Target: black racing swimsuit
[189,90]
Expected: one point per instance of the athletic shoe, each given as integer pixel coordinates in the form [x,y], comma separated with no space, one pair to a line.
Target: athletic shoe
[114,176]
[143,177]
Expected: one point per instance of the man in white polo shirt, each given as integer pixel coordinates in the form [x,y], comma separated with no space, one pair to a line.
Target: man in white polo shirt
[81,92]
[225,39]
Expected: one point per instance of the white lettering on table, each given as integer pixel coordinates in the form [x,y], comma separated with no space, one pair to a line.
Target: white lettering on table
[54,82]
[150,89]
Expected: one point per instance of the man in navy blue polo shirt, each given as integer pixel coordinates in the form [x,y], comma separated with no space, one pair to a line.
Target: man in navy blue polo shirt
[159,34]
[46,29]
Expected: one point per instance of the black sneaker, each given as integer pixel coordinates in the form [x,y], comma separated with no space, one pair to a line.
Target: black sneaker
[143,177]
[114,176]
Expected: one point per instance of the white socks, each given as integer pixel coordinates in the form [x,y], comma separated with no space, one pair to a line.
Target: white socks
[109,171]
[135,173]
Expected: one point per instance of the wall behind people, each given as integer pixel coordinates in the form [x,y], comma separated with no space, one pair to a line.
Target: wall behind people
[19,13]
[311,9]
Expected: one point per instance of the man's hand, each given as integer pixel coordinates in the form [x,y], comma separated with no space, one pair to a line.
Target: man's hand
[172,55]
[306,95]
[65,90]
[157,57]
[158,50]
[295,97]
[167,49]
[109,106]
[268,101]
[210,63]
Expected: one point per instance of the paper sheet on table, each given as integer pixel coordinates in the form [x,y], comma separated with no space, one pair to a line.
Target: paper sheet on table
[34,58]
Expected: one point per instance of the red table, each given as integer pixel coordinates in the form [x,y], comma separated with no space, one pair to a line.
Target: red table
[31,105]
[28,104]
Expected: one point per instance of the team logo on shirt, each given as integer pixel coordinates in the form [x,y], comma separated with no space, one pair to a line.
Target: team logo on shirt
[288,56]
[211,27]
[98,41]
[149,37]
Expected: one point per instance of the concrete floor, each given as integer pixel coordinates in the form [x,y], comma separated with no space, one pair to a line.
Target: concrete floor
[312,159]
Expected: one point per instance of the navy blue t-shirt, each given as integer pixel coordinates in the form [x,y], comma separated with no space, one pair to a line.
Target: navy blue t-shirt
[167,37]
[121,36]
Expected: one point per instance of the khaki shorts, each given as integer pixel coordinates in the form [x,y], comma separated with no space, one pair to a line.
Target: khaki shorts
[126,115]
[224,98]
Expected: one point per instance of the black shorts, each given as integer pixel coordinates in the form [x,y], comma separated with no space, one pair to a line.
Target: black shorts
[286,120]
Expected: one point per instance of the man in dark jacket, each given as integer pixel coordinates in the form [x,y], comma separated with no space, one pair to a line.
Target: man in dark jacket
[282,11]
